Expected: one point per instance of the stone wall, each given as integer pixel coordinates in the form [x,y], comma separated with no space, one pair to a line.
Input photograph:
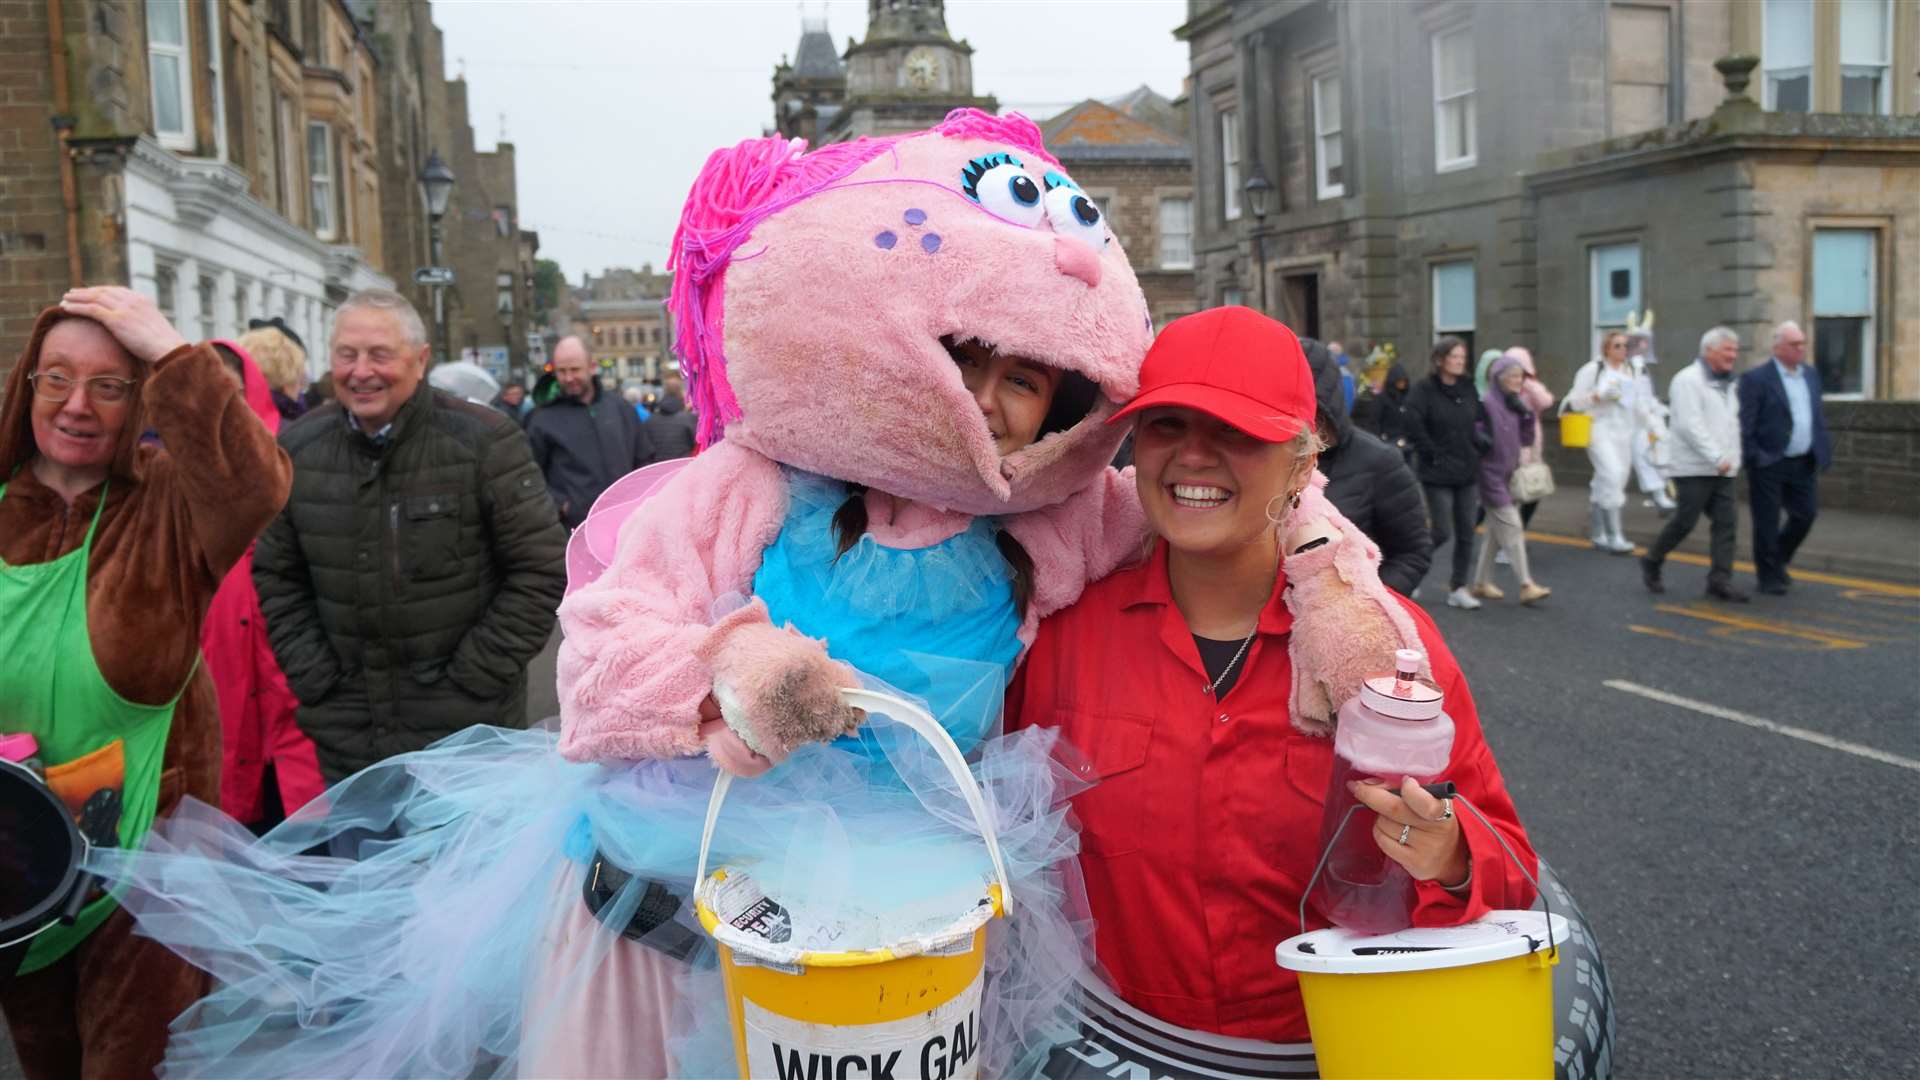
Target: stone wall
[33,236]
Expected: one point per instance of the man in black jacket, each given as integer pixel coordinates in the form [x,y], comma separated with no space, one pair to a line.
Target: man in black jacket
[1369,482]
[417,565]
[584,439]
[671,428]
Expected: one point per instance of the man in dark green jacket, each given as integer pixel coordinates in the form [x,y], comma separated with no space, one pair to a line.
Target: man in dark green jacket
[417,565]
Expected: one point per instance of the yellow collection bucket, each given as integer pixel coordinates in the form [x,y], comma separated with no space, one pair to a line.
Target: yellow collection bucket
[1449,1002]
[1576,430]
[908,1009]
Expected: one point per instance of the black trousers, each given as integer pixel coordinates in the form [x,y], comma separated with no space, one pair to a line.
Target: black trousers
[1451,510]
[1695,494]
[1787,484]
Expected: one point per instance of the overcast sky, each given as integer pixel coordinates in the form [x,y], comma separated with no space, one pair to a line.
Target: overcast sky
[613,105]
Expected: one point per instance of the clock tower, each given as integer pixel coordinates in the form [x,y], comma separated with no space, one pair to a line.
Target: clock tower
[906,75]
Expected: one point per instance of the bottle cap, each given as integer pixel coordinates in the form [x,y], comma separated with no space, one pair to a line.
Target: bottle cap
[1402,695]
[18,747]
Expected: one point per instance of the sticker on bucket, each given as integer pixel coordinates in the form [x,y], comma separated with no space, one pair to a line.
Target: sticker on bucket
[942,1043]
[742,904]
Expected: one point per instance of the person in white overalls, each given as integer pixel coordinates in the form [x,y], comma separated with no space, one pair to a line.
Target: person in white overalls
[1650,446]
[1618,395]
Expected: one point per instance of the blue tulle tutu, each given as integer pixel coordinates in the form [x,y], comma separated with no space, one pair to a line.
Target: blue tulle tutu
[447,945]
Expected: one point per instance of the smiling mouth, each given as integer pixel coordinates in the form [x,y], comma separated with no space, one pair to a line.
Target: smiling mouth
[1199,496]
[72,434]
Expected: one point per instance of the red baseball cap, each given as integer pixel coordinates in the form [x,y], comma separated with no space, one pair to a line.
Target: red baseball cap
[1234,364]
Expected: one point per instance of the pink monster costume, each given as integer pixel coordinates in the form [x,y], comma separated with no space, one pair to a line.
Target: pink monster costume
[519,905]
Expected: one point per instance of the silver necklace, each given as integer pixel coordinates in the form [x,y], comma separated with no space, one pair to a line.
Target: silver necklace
[1214,687]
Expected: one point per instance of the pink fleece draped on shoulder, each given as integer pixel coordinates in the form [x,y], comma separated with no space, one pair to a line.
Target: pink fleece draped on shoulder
[631,677]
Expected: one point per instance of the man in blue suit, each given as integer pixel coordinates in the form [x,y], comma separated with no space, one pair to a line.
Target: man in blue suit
[1784,444]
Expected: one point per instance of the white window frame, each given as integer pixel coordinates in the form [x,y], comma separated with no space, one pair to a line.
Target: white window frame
[217,67]
[322,209]
[1594,285]
[292,154]
[1883,65]
[1433,287]
[1767,69]
[1322,134]
[1870,358]
[182,54]
[1468,98]
[1181,258]
[1230,178]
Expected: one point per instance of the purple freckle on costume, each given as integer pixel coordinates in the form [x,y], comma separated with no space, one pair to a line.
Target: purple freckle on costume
[885,240]
[916,216]
[930,242]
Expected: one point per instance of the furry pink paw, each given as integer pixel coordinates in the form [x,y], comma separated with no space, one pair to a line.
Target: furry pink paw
[729,752]
[778,689]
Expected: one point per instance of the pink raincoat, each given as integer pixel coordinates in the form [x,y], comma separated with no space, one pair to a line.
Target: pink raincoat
[256,708]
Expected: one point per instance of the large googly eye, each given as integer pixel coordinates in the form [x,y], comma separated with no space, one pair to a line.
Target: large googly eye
[1075,215]
[997,182]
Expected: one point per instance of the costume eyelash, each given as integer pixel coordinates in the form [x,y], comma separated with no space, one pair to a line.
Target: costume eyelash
[977,168]
[1054,180]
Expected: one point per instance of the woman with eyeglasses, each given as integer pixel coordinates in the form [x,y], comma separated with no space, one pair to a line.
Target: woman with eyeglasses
[109,553]
[1619,397]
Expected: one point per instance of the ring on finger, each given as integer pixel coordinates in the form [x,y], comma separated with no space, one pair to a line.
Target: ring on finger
[1446,810]
[1406,832]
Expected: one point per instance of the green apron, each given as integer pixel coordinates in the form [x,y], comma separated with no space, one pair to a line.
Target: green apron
[51,687]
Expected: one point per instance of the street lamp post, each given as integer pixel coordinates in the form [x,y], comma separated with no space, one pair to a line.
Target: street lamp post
[1258,188]
[436,189]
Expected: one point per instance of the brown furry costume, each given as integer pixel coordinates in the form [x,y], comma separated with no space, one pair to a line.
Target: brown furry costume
[174,522]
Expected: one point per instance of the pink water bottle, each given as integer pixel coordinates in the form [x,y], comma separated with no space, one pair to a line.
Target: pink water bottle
[1393,730]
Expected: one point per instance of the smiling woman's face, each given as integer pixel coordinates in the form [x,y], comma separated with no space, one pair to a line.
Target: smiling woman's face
[1013,393]
[1204,483]
[81,432]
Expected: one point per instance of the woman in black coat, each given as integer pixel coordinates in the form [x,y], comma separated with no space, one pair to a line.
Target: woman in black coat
[1369,482]
[1445,422]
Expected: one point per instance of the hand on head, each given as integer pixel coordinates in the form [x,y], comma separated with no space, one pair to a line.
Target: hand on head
[134,320]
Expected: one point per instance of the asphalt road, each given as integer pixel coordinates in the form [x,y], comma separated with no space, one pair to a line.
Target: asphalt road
[1757,892]
[1757,895]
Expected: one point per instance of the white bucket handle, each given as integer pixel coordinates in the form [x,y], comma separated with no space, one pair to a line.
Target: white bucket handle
[921,721]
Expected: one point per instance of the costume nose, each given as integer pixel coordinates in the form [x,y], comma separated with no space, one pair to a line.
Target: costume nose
[1076,259]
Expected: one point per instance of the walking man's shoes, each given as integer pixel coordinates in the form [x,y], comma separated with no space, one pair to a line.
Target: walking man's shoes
[1650,573]
[1722,591]
[1774,588]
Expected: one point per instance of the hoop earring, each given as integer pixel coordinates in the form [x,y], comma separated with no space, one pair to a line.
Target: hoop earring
[1274,519]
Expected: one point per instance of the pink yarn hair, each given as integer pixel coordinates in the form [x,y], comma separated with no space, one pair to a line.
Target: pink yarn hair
[740,187]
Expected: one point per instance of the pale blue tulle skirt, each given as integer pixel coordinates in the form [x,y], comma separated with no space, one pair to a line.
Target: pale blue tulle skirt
[416,958]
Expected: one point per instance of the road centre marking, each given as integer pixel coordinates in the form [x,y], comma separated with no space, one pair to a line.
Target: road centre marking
[1883,588]
[1671,635]
[1764,626]
[1764,724]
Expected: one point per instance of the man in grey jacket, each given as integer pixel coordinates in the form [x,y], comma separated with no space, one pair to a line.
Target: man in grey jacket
[417,565]
[1705,457]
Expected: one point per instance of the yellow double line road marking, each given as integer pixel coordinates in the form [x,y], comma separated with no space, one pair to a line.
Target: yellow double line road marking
[1764,626]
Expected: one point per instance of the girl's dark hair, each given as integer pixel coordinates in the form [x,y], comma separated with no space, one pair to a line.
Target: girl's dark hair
[1444,346]
[850,524]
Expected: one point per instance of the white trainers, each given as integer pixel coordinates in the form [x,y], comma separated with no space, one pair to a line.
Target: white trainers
[1500,558]
[1461,598]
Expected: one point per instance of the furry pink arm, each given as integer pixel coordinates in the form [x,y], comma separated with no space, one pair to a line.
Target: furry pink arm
[633,665]
[1346,624]
[1079,541]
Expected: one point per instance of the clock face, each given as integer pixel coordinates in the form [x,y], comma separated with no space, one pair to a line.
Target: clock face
[923,68]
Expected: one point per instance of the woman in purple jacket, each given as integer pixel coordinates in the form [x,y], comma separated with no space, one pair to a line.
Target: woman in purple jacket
[1515,435]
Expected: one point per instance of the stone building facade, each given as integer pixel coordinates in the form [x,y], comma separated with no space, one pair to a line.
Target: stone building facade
[213,154]
[1141,175]
[240,159]
[490,303]
[1529,174]
[905,75]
